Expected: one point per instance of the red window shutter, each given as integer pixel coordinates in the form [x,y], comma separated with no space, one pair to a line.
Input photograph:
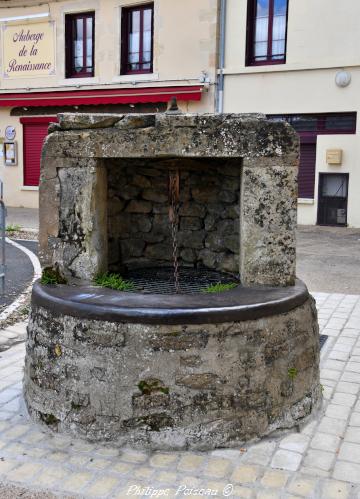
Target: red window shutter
[307,170]
[34,133]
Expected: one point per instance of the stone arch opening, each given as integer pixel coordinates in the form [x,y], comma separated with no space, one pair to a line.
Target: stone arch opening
[140,213]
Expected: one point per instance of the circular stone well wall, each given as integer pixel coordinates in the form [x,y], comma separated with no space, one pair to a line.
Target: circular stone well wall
[172,386]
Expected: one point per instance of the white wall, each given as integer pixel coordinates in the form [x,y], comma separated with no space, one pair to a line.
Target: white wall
[322,39]
[321,33]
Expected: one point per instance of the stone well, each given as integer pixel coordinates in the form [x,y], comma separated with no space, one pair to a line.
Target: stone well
[175,370]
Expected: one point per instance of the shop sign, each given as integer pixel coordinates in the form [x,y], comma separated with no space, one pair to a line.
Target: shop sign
[28,50]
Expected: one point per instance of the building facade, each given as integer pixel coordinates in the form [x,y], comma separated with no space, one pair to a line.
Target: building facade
[298,61]
[98,56]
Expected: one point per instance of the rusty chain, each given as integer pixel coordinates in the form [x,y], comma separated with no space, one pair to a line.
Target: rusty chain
[174,181]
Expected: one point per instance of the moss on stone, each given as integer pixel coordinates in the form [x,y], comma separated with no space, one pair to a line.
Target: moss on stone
[58,350]
[152,385]
[219,287]
[49,419]
[292,373]
[114,281]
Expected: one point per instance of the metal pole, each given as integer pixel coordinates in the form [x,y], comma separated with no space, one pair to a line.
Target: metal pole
[220,85]
[2,239]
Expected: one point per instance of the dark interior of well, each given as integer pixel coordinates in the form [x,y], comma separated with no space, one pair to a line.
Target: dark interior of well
[139,228]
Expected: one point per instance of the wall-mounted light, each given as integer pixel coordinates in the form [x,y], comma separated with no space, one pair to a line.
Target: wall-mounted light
[342,79]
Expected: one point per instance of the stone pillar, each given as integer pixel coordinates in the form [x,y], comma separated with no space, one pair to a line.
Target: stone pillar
[267,223]
[73,217]
[49,203]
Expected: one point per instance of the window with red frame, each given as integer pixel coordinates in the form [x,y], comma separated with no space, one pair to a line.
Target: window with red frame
[266,37]
[137,39]
[80,36]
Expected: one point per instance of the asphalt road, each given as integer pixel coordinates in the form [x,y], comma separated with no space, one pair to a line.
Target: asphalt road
[328,259]
[19,272]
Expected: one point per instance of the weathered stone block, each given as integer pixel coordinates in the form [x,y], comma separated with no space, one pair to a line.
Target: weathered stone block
[139,207]
[152,195]
[191,239]
[190,223]
[205,381]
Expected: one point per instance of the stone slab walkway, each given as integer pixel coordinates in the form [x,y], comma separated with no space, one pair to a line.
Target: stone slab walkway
[320,461]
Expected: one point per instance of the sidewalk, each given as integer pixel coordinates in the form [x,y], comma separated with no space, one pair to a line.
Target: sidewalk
[322,461]
[26,218]
[328,258]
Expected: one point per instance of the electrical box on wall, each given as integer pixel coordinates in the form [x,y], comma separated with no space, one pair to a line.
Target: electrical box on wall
[10,153]
[334,156]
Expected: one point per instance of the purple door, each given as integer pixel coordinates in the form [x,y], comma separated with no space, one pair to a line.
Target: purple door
[306,177]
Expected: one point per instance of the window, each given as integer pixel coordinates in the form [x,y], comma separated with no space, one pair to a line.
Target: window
[79,35]
[266,37]
[137,39]
[324,124]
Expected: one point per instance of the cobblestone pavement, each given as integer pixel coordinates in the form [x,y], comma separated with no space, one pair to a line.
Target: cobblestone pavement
[320,461]
[10,336]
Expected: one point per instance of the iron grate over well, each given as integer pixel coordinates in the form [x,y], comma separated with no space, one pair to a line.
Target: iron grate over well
[160,280]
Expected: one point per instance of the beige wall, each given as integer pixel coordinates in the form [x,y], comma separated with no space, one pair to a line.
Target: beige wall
[15,194]
[322,39]
[185,44]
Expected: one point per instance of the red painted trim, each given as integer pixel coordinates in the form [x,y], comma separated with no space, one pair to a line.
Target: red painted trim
[31,120]
[35,129]
[267,62]
[97,97]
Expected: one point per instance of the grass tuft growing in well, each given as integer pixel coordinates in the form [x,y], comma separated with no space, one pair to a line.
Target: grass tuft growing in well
[114,281]
[52,276]
[219,287]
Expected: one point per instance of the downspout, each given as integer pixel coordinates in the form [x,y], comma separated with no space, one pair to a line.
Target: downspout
[220,77]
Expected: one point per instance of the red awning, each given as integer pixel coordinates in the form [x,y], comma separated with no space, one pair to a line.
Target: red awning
[96,97]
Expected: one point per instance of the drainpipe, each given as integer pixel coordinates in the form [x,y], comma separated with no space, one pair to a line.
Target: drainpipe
[220,78]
